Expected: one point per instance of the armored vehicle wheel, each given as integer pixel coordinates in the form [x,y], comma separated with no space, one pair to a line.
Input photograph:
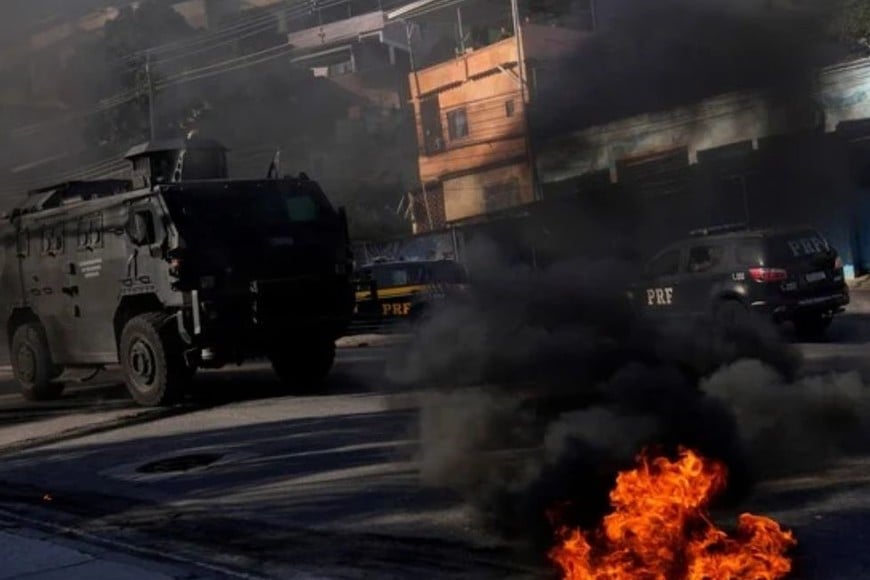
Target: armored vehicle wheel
[154,368]
[32,364]
[305,364]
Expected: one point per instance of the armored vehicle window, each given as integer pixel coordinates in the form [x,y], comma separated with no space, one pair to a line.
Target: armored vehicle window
[90,232]
[666,264]
[141,228]
[704,258]
[52,239]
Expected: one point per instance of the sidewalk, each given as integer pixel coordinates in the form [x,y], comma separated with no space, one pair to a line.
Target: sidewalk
[861,283]
[29,554]
[39,552]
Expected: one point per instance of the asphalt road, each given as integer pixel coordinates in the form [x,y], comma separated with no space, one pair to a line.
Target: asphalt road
[328,485]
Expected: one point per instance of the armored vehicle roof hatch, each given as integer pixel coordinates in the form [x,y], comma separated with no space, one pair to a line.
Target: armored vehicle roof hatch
[174,160]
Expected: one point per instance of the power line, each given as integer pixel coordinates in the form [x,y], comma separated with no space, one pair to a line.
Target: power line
[292,13]
[241,23]
[226,66]
[104,105]
[207,71]
[245,26]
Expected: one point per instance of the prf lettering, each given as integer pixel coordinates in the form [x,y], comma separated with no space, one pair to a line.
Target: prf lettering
[806,247]
[659,296]
[396,309]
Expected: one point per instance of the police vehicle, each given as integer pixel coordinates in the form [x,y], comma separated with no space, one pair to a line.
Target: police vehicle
[786,274]
[177,269]
[391,292]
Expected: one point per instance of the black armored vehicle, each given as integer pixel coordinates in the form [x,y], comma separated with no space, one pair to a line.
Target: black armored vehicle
[785,274]
[177,269]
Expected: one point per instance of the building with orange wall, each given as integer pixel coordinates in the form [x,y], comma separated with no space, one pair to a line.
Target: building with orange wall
[473,140]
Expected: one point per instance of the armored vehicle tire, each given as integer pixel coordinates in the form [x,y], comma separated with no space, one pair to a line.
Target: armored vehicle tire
[304,365]
[32,364]
[154,369]
[812,326]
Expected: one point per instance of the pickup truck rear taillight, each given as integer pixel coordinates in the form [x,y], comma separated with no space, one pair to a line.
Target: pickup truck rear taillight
[766,275]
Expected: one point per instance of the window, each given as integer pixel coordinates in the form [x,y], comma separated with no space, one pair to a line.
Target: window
[666,264]
[52,239]
[457,124]
[301,209]
[509,108]
[399,275]
[90,232]
[141,228]
[749,254]
[704,258]
[501,195]
[430,117]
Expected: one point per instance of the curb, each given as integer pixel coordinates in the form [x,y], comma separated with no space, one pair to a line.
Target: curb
[372,340]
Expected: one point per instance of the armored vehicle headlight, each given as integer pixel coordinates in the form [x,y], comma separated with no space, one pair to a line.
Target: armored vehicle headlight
[206,282]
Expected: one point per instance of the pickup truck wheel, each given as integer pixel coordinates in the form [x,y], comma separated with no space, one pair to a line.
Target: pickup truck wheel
[32,364]
[732,314]
[151,357]
[303,366]
[811,326]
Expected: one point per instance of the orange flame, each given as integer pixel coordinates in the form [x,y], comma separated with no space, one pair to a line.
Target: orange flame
[660,529]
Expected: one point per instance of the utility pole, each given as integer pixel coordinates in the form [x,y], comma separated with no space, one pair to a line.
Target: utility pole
[150,87]
[525,96]
[461,31]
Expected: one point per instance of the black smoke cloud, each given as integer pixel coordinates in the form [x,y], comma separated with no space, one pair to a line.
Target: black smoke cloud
[652,56]
[569,385]
[548,386]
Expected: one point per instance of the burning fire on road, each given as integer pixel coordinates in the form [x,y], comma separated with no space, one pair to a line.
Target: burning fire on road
[660,529]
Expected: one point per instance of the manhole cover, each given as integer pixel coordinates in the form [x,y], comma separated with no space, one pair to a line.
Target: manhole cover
[179,463]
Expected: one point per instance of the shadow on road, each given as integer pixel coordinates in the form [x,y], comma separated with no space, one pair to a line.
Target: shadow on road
[324,491]
[356,371]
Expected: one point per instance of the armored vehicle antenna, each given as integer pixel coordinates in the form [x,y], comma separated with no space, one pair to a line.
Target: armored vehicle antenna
[275,166]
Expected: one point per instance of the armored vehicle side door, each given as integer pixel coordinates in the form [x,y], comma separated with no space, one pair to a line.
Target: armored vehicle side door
[44,283]
[145,270]
[93,259]
[16,289]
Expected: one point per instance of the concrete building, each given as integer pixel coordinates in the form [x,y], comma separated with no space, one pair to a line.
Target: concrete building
[735,157]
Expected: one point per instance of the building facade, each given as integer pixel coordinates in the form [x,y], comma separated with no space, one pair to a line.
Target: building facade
[474,153]
[737,157]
